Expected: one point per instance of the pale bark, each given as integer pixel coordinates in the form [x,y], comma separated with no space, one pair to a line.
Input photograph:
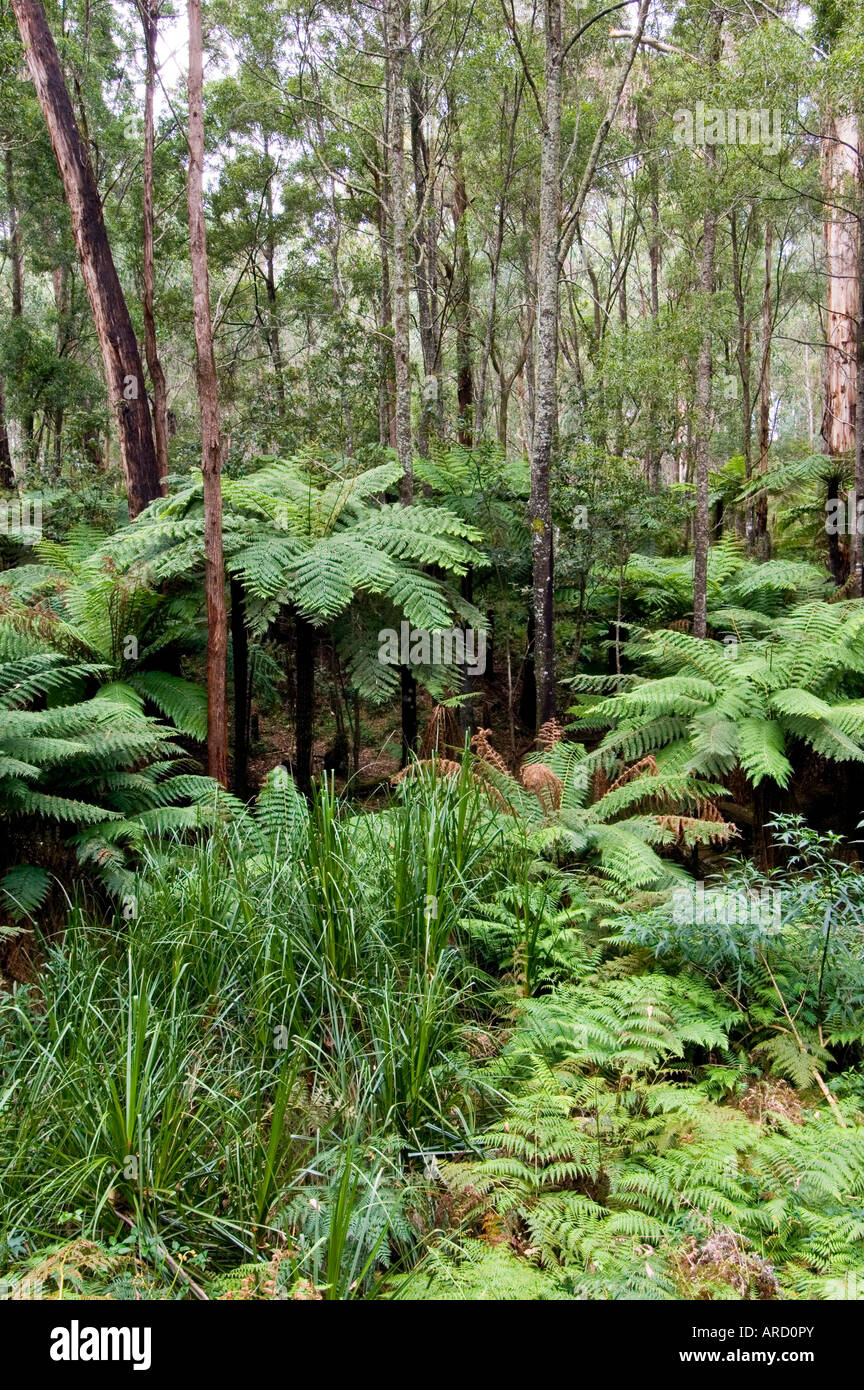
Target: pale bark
[431,418]
[494,273]
[761,539]
[387,374]
[840,174]
[701,520]
[273,341]
[150,20]
[744,356]
[555,242]
[208,397]
[546,367]
[395,46]
[857,539]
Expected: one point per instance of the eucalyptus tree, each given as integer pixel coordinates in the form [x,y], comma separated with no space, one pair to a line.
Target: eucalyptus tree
[117,341]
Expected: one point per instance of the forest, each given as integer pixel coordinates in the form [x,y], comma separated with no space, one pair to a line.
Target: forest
[431,650]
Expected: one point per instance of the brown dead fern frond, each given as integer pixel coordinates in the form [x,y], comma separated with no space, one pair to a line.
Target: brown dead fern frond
[486,753]
[645,767]
[545,784]
[694,830]
[551,732]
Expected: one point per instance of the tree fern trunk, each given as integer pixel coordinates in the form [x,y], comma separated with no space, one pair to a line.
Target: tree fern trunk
[7,475]
[306,646]
[240,654]
[466,710]
[409,714]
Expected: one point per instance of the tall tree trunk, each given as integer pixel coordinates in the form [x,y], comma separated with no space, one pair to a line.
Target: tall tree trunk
[702,520]
[387,369]
[15,251]
[462,301]
[840,173]
[743,355]
[62,306]
[150,20]
[273,341]
[395,46]
[546,366]
[495,271]
[857,538]
[208,398]
[554,246]
[425,271]
[761,539]
[22,443]
[655,260]
[123,370]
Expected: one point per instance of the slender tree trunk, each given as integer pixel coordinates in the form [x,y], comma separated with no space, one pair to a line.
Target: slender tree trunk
[150,19]
[840,173]
[273,341]
[62,306]
[123,370]
[425,271]
[655,260]
[546,418]
[857,538]
[761,539]
[395,45]
[462,302]
[15,252]
[495,270]
[554,246]
[503,410]
[387,369]
[208,398]
[24,432]
[702,520]
[743,355]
